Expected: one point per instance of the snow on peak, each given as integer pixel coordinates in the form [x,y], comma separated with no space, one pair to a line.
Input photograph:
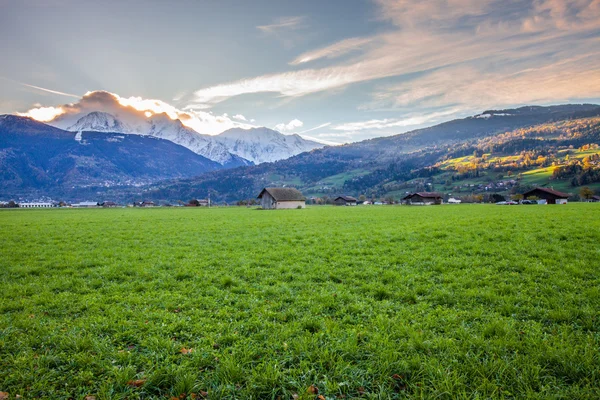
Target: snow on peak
[99,122]
[235,146]
[264,145]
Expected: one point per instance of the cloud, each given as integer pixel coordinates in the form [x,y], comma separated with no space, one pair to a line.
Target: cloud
[493,40]
[336,138]
[290,126]
[43,114]
[282,23]
[376,124]
[320,140]
[239,117]
[465,87]
[336,50]
[131,110]
[290,84]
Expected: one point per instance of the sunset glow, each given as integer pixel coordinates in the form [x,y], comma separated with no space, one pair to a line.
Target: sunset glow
[43,114]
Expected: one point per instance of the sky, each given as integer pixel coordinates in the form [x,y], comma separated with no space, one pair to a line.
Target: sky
[337,70]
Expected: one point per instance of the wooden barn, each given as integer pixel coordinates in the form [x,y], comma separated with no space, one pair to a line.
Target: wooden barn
[550,195]
[281,198]
[422,198]
[345,201]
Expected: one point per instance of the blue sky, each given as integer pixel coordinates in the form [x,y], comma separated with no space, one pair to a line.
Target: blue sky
[337,71]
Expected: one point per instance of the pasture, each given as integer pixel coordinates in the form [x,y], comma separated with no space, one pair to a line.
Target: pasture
[469,301]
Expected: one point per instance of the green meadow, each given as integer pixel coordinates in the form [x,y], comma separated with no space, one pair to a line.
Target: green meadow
[444,302]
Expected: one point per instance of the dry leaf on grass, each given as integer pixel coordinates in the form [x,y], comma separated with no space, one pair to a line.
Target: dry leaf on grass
[136,382]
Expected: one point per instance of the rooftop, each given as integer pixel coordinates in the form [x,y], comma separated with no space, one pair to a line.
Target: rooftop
[283,194]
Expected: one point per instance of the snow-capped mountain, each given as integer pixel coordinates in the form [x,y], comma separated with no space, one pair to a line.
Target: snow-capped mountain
[264,145]
[161,126]
[98,121]
[234,147]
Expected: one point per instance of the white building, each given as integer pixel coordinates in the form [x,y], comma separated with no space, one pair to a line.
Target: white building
[36,205]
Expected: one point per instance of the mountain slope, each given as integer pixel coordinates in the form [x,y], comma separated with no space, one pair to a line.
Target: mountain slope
[38,157]
[366,167]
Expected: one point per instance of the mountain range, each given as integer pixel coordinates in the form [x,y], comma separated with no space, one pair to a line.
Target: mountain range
[232,148]
[35,156]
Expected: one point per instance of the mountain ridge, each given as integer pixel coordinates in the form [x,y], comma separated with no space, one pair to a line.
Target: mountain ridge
[231,148]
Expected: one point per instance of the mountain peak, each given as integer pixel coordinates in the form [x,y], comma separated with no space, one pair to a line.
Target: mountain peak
[98,121]
[263,144]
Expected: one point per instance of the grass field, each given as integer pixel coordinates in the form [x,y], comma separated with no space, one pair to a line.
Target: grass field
[468,301]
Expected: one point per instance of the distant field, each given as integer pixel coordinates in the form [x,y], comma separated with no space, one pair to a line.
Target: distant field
[468,301]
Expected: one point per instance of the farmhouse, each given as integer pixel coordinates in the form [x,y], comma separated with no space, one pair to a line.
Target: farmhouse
[595,199]
[422,198]
[344,201]
[551,196]
[280,198]
[109,204]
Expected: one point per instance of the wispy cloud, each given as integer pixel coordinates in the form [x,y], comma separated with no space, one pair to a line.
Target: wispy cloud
[486,44]
[335,50]
[291,84]
[282,24]
[376,124]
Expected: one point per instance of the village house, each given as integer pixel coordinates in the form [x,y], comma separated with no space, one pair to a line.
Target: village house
[547,196]
[281,198]
[595,199]
[422,198]
[108,204]
[345,201]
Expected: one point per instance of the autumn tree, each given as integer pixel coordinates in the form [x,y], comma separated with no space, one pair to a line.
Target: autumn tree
[586,193]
